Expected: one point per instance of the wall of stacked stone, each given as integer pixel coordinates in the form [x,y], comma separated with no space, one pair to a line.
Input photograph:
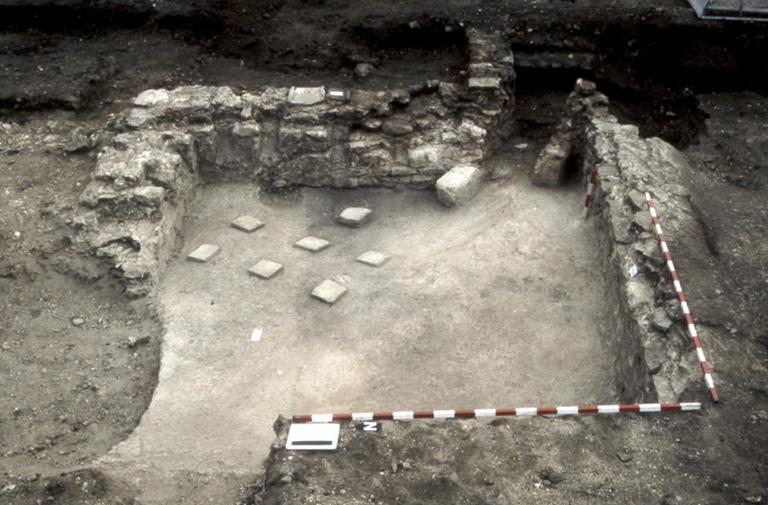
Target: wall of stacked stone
[170,140]
[342,138]
[655,358]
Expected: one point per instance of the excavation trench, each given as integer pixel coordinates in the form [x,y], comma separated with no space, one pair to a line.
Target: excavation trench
[501,303]
[512,300]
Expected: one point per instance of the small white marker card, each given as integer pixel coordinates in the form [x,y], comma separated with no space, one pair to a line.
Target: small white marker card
[633,270]
[313,437]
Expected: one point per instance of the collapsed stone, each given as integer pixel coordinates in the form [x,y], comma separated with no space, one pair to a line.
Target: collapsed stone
[458,185]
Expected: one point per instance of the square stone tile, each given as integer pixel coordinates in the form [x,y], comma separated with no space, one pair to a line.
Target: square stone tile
[313,244]
[354,216]
[265,269]
[247,223]
[373,258]
[329,291]
[203,253]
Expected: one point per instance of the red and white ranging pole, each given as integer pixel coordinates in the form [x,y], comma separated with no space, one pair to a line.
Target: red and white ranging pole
[409,415]
[706,369]
[591,178]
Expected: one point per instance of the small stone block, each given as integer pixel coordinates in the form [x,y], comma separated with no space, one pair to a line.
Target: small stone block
[247,223]
[354,216]
[484,83]
[306,96]
[637,199]
[329,291]
[265,269]
[340,95]
[203,253]
[313,244]
[373,258]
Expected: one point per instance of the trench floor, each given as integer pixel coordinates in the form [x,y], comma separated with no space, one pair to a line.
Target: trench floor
[495,304]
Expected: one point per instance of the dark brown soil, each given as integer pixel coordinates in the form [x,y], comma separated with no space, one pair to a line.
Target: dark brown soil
[72,392]
[73,386]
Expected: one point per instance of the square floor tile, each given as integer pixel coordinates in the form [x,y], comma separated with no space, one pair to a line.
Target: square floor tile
[329,291]
[247,223]
[313,244]
[265,269]
[373,258]
[203,253]
[354,216]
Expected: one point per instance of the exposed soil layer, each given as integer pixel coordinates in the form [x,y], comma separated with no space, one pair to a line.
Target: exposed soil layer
[651,60]
[78,363]
[551,461]
[74,389]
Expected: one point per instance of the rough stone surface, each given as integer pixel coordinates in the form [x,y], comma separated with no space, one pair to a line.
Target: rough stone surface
[247,223]
[312,244]
[660,320]
[329,291]
[550,165]
[397,127]
[568,139]
[354,216]
[363,70]
[203,253]
[484,82]
[627,166]
[373,258]
[265,269]
[284,137]
[133,207]
[458,185]
[636,199]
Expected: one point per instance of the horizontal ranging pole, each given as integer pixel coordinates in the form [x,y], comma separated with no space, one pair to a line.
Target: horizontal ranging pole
[409,415]
[706,369]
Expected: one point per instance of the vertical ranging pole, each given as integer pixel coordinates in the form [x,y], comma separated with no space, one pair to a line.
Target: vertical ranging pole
[590,189]
[705,368]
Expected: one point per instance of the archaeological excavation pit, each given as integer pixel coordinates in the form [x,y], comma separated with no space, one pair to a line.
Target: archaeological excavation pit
[511,298]
[504,298]
[434,228]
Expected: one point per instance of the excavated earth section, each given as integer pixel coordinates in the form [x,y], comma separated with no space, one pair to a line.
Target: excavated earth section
[505,302]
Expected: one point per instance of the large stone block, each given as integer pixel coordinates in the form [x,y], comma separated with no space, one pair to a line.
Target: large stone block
[306,96]
[458,185]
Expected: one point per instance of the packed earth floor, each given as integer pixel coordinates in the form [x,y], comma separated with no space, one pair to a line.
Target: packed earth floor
[473,334]
[184,395]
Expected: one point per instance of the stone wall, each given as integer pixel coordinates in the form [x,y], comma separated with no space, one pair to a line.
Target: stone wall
[655,358]
[170,140]
[338,137]
[134,205]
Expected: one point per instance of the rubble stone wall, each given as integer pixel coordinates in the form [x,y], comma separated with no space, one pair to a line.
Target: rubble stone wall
[168,141]
[654,356]
[341,138]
